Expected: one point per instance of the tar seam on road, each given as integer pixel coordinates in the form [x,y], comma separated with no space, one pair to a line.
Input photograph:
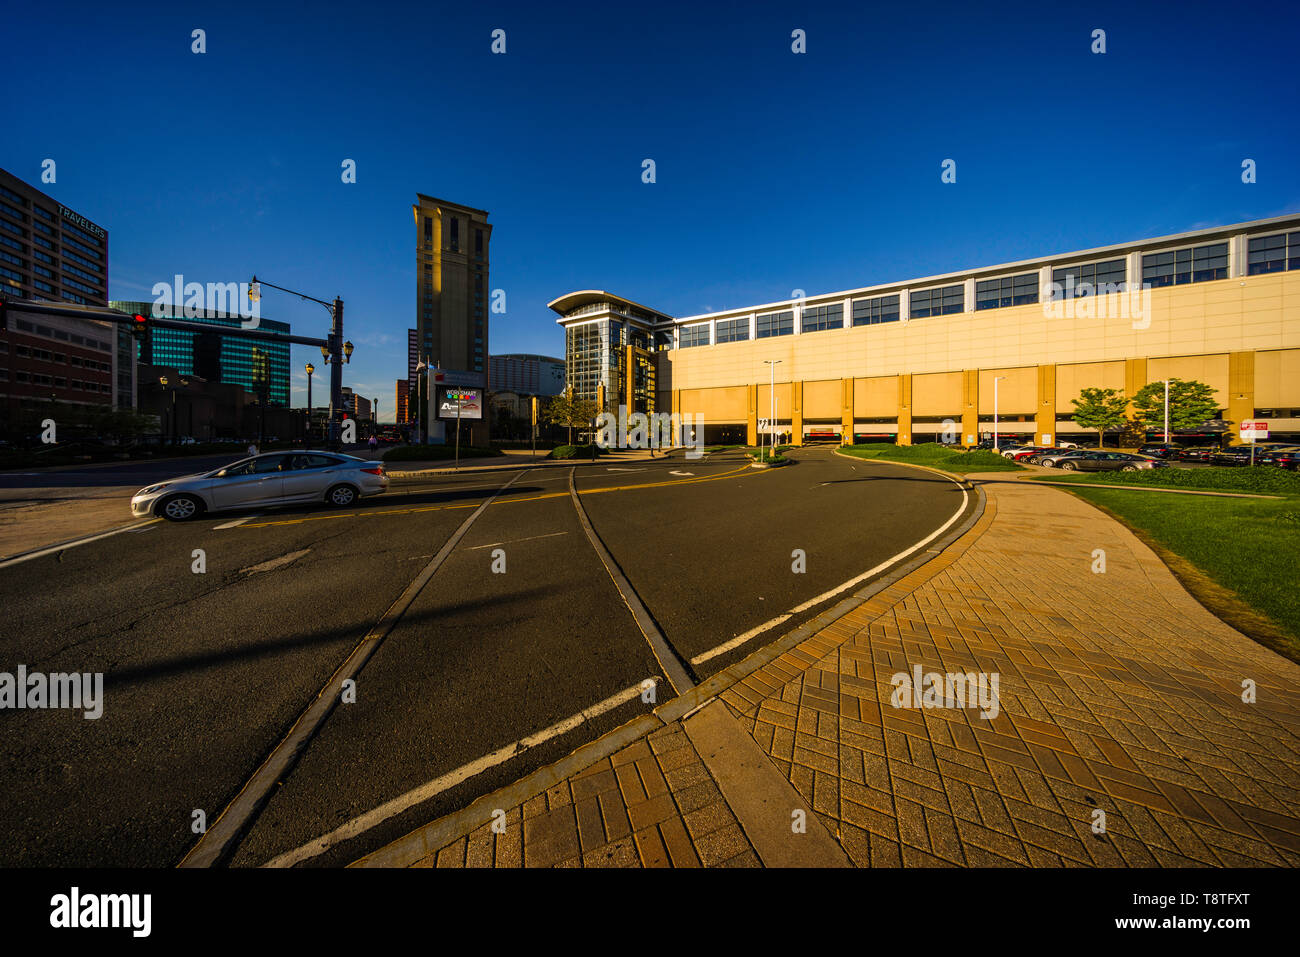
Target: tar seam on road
[668,659]
[221,838]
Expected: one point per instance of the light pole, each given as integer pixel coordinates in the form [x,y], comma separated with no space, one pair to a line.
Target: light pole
[333,353]
[771,396]
[310,369]
[1166,412]
[996,380]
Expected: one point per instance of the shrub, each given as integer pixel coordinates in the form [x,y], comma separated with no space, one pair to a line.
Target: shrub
[576,452]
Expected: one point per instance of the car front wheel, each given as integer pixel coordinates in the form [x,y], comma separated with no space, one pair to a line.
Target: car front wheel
[180,508]
[1129,468]
[341,496]
[1068,466]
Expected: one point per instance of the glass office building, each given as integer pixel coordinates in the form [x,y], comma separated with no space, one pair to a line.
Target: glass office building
[222,355]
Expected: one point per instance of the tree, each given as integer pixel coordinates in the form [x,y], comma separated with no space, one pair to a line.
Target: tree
[568,411]
[1191,404]
[1100,409]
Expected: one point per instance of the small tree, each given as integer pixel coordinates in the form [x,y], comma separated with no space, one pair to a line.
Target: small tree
[1100,409]
[567,411]
[1191,403]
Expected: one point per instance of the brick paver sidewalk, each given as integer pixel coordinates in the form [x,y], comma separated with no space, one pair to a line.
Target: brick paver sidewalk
[1118,693]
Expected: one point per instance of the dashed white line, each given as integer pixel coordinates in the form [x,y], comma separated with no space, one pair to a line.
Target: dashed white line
[424,792]
[239,521]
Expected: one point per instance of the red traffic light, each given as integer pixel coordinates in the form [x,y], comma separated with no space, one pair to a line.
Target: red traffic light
[140,318]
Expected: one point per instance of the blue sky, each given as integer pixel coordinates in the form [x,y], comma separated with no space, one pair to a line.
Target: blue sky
[775,170]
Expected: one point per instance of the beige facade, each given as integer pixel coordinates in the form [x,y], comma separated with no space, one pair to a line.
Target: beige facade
[1240,334]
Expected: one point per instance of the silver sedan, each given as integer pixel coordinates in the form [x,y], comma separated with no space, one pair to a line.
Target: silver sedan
[275,478]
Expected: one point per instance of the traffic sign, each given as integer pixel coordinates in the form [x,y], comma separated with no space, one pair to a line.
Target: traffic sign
[1254,430]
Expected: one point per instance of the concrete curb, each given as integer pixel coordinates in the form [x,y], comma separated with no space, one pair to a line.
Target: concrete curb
[426,840]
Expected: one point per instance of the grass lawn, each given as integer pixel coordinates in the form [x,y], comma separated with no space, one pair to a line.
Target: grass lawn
[946,457]
[765,454]
[1239,557]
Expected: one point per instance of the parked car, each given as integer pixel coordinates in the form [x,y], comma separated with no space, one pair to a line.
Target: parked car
[1196,453]
[274,478]
[1020,454]
[1040,458]
[1053,458]
[1160,450]
[1287,457]
[1099,461]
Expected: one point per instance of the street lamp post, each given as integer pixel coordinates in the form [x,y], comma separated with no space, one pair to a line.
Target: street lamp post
[1166,412]
[996,380]
[333,353]
[310,369]
[771,396]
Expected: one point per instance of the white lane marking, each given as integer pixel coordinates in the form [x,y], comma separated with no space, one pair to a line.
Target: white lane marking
[424,792]
[515,541]
[813,602]
[611,469]
[681,473]
[739,639]
[54,549]
[274,563]
[239,521]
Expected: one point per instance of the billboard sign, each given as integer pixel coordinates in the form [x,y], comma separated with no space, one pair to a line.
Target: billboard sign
[459,402]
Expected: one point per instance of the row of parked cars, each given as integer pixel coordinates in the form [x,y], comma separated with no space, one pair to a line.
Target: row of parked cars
[1152,455]
[1075,459]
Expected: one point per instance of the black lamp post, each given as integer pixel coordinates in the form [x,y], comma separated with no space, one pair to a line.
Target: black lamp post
[333,352]
[310,369]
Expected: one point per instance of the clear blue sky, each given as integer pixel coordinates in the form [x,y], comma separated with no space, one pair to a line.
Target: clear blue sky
[775,171]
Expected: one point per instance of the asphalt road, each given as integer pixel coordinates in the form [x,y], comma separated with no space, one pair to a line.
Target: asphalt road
[206,673]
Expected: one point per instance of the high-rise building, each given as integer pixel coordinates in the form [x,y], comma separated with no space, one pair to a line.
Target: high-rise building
[219,355]
[527,375]
[452,289]
[452,293]
[403,402]
[48,251]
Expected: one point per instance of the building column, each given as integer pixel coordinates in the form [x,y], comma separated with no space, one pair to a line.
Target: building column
[796,412]
[846,412]
[904,409]
[1045,418]
[751,426]
[1135,377]
[1241,391]
[970,407]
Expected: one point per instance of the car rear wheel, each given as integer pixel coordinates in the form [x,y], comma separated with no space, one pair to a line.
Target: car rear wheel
[341,496]
[180,508]
[1068,466]
[1129,468]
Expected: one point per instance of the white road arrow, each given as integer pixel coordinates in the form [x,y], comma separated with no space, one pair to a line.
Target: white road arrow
[681,473]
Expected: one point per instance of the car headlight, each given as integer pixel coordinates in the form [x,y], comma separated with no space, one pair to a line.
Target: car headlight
[152,488]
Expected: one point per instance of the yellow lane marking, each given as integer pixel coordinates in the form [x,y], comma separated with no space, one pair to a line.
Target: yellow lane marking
[503,501]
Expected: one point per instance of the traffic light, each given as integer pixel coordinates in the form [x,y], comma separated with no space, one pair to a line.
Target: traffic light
[139,326]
